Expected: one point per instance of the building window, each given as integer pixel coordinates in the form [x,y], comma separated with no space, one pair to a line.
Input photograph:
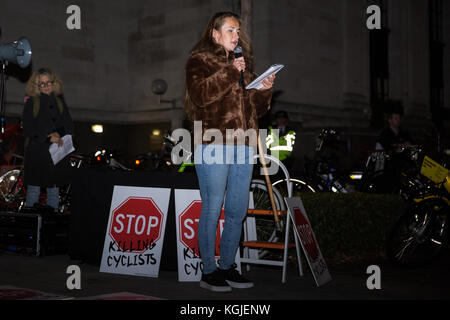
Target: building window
[379,65]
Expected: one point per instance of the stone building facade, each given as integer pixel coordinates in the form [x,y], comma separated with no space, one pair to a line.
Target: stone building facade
[329,81]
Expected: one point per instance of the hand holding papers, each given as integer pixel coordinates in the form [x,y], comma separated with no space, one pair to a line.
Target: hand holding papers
[257,83]
[58,153]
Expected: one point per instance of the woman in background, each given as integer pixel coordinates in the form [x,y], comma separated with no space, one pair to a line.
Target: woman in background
[46,119]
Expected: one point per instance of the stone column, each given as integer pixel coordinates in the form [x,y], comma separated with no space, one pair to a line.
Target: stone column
[447,54]
[409,57]
[247,15]
[355,56]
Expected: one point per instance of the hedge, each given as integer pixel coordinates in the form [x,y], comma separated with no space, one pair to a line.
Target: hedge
[351,226]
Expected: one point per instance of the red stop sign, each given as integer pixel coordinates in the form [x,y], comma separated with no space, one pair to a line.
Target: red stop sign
[188,222]
[136,224]
[306,234]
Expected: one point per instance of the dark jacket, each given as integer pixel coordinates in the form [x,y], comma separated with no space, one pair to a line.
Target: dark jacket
[388,139]
[219,102]
[39,167]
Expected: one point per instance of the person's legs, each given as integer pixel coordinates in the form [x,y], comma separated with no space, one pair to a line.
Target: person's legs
[53,197]
[212,180]
[33,193]
[236,205]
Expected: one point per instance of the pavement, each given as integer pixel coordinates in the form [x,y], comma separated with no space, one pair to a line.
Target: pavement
[349,281]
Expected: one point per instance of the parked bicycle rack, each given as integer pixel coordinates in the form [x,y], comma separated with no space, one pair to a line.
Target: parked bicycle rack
[251,243]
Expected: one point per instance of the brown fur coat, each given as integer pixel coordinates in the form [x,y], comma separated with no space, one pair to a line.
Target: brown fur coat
[217,99]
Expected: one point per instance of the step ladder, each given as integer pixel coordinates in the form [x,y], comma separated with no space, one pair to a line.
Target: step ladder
[265,244]
[251,244]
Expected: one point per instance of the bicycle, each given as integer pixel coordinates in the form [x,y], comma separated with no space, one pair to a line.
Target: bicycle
[322,173]
[393,172]
[384,172]
[109,159]
[13,191]
[76,161]
[420,234]
[265,226]
[11,188]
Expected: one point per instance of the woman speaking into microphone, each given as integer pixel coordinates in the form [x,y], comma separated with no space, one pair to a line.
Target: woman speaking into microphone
[214,96]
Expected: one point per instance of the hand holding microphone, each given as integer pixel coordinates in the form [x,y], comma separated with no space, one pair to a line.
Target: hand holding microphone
[239,63]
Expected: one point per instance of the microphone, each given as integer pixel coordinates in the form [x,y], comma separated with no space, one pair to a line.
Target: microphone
[237,54]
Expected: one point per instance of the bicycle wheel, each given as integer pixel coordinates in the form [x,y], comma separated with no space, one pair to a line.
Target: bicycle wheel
[10,185]
[64,199]
[265,225]
[298,186]
[420,234]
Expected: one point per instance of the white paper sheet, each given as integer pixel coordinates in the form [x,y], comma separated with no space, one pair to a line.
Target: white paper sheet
[257,83]
[58,153]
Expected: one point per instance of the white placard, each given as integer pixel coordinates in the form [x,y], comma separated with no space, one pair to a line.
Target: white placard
[58,153]
[187,213]
[257,83]
[305,234]
[135,234]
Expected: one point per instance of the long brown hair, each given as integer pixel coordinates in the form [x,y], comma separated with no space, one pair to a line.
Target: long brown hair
[208,44]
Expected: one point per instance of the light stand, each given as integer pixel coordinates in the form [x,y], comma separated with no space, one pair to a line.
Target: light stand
[2,103]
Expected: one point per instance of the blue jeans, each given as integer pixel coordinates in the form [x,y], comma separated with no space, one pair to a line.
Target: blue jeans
[230,180]
[33,193]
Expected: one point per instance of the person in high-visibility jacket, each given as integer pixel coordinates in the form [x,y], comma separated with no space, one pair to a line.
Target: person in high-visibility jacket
[281,145]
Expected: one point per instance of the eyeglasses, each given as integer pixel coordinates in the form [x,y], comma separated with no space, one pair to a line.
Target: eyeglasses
[45,84]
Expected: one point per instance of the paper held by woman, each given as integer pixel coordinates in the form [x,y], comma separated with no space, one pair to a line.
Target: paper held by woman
[257,83]
[58,153]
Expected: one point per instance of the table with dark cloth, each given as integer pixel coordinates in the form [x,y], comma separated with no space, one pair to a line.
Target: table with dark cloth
[91,196]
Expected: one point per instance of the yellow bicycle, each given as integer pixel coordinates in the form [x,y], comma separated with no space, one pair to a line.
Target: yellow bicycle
[421,233]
